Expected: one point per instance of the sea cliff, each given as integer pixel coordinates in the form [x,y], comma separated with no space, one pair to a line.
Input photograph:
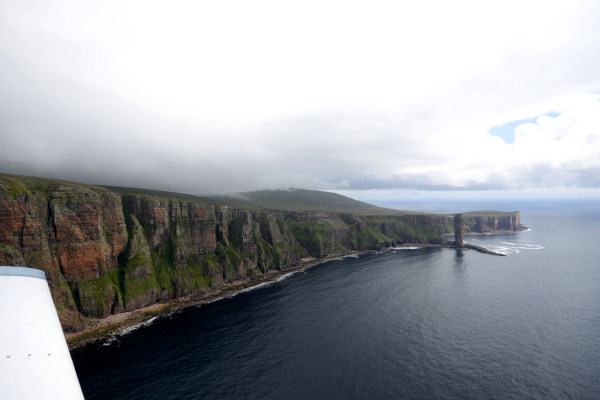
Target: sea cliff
[107,252]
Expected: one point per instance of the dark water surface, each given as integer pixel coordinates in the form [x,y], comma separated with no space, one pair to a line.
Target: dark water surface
[414,324]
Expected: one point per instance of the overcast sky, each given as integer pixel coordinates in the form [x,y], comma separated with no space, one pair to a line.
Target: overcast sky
[375,96]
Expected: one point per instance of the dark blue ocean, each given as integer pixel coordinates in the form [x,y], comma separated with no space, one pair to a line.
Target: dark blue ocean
[402,324]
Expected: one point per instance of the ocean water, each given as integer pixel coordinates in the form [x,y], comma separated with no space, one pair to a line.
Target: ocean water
[402,324]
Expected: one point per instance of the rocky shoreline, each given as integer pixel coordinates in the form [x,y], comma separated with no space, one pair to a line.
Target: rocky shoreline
[118,323]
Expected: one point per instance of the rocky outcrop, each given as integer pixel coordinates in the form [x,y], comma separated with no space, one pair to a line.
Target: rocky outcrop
[459,233]
[105,252]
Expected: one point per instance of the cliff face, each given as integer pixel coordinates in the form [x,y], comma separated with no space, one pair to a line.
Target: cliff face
[491,223]
[74,234]
[104,252]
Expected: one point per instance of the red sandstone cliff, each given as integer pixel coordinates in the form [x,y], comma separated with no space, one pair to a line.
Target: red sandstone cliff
[105,252]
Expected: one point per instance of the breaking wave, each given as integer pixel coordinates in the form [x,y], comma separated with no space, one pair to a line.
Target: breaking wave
[506,248]
[261,285]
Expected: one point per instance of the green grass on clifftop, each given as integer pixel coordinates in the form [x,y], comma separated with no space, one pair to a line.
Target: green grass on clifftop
[21,185]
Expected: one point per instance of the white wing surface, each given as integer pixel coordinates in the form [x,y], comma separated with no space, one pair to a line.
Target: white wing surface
[35,362]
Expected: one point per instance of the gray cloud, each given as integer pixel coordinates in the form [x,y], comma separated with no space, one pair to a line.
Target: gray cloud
[77,102]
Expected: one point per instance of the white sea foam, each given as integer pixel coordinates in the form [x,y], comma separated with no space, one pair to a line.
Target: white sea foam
[508,248]
[289,274]
[501,251]
[342,258]
[260,285]
[406,248]
[250,289]
[110,340]
[530,247]
[135,327]
[115,337]
[212,301]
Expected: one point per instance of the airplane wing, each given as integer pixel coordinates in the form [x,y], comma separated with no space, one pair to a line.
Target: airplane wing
[35,362]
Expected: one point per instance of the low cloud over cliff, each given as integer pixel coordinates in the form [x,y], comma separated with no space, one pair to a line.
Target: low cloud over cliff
[205,99]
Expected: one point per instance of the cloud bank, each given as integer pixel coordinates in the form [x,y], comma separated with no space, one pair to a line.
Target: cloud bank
[328,95]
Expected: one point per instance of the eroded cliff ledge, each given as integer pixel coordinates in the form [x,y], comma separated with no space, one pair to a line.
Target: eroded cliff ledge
[105,252]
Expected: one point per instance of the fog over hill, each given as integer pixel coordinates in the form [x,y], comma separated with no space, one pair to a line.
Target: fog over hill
[218,97]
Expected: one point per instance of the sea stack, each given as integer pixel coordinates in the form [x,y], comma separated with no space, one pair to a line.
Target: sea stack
[459,233]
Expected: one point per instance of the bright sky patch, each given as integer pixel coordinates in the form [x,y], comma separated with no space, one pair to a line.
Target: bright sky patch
[507,131]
